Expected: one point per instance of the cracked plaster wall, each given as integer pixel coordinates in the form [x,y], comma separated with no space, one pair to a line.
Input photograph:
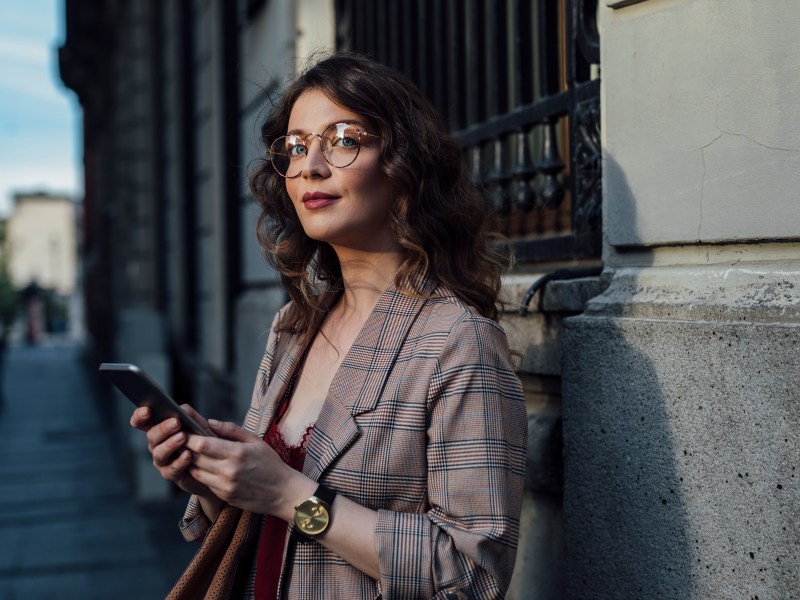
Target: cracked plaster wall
[701,121]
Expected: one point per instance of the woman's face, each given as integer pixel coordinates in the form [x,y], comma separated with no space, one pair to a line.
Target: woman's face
[346,207]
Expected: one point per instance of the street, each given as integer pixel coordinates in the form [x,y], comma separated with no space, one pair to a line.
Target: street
[69,525]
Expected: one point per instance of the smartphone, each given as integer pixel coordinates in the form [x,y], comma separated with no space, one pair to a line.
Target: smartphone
[140,389]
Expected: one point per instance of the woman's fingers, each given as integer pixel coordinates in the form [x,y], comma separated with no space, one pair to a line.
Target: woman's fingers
[167,443]
[213,448]
[247,474]
[140,419]
[177,469]
[231,431]
[157,434]
[164,453]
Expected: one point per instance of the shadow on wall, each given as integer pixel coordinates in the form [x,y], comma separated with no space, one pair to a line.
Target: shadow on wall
[626,534]
[625,522]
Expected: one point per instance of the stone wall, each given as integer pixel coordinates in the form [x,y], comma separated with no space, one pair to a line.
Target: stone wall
[681,420]
[681,381]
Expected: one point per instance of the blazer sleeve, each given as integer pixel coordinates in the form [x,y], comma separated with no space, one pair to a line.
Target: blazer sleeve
[465,545]
[194,524]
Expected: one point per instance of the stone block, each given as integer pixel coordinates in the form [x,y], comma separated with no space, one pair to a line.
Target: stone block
[681,437]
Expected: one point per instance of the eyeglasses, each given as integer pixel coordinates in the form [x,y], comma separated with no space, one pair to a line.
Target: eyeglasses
[339,143]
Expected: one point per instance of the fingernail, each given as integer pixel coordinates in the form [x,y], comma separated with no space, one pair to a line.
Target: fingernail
[174,424]
[214,423]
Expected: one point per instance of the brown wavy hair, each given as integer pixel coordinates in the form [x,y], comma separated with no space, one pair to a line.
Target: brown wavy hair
[438,218]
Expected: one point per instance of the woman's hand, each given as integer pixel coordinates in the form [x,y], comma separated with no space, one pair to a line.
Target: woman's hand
[238,467]
[166,442]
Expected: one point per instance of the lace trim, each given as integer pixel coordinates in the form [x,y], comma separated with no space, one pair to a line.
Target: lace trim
[293,454]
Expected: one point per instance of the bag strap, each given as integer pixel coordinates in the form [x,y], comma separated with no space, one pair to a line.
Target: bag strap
[217,567]
[212,567]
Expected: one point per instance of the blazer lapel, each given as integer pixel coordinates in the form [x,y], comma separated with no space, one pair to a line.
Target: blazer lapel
[359,382]
[284,371]
[287,366]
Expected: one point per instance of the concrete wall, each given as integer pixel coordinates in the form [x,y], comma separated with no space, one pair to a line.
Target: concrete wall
[682,380]
[681,419]
[701,121]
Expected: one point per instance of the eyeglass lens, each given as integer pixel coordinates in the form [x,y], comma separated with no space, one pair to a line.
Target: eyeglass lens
[339,144]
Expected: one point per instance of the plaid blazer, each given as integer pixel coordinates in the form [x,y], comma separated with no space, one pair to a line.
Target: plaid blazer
[425,423]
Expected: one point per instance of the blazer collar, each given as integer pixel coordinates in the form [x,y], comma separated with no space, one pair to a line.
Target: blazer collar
[287,365]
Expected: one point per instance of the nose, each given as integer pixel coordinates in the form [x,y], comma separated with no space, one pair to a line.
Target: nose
[314,163]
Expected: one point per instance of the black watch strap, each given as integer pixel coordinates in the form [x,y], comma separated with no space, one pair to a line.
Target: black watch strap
[326,494]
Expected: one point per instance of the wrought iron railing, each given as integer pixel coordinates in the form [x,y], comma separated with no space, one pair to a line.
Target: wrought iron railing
[517,81]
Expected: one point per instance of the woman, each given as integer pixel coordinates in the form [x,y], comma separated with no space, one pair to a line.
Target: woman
[386,381]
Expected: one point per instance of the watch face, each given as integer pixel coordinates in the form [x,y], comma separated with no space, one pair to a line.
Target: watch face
[312,517]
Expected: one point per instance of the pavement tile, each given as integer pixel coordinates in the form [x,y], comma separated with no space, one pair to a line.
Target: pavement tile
[68,523]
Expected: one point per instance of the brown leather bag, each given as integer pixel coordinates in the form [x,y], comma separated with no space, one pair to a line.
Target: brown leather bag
[222,563]
[220,568]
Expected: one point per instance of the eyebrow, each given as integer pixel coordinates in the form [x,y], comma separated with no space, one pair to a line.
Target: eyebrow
[355,122]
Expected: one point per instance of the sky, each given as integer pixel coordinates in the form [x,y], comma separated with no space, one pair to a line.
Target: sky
[39,117]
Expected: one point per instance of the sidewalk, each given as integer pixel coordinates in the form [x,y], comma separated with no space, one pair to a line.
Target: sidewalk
[68,524]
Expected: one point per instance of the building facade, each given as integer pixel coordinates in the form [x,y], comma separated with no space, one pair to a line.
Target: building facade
[646,189]
[41,242]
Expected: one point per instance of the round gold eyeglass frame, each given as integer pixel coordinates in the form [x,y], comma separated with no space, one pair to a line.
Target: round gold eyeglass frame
[340,145]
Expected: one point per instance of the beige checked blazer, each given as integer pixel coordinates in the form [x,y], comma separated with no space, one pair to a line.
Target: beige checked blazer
[425,423]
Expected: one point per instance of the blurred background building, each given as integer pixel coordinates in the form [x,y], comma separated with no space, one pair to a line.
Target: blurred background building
[642,157]
[39,264]
[42,243]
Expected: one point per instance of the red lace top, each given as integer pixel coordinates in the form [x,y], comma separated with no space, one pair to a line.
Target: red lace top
[273,529]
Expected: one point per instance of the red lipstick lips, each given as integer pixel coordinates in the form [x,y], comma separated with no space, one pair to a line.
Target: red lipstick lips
[315,200]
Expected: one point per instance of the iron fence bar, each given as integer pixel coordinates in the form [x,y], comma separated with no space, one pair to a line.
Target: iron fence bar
[395,28]
[371,34]
[421,27]
[493,69]
[456,108]
[496,59]
[381,34]
[438,91]
[408,49]
[475,50]
[556,248]
[522,51]
[585,23]
[547,47]
[536,112]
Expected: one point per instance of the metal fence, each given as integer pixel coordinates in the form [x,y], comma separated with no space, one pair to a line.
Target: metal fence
[518,83]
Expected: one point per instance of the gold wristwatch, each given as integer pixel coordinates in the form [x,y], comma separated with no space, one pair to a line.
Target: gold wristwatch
[313,516]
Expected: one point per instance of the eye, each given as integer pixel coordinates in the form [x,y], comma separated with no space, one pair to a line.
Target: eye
[295,147]
[348,141]
[344,136]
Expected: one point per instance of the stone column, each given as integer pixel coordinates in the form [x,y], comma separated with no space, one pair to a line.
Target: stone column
[682,380]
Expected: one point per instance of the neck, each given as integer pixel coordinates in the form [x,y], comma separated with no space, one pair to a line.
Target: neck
[365,275]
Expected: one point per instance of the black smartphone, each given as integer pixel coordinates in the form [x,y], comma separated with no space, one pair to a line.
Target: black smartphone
[140,389]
